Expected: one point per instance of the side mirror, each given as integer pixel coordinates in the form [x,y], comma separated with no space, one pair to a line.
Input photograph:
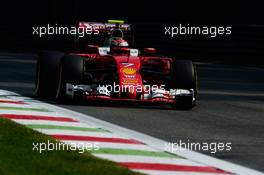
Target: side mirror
[92,49]
[149,51]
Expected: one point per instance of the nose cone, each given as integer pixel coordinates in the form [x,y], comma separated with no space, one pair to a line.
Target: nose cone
[130,79]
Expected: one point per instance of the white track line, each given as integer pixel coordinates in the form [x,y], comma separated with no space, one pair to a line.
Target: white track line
[149,159]
[78,133]
[18,105]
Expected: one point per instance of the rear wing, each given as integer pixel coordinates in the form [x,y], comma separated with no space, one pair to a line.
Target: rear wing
[102,31]
[105,27]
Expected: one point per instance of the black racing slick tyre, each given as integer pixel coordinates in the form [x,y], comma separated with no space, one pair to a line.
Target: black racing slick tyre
[70,71]
[185,77]
[46,70]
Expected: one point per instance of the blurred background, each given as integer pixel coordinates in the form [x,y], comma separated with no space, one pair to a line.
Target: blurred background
[245,45]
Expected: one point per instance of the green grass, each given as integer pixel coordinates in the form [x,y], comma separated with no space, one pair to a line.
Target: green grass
[18,158]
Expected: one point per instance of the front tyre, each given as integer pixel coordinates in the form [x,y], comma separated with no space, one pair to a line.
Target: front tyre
[70,71]
[184,76]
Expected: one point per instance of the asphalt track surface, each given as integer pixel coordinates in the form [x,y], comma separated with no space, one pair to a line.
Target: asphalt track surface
[230,109]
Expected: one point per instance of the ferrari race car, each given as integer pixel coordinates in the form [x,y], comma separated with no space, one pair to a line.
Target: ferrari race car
[114,71]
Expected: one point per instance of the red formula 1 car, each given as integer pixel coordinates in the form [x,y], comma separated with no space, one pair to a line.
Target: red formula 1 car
[114,71]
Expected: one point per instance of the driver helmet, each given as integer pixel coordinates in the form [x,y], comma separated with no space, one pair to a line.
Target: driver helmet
[117,33]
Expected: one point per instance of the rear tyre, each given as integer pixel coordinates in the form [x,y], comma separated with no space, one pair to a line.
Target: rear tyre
[184,77]
[70,71]
[47,65]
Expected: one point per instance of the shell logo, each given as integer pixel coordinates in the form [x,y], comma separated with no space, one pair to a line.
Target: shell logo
[129,71]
